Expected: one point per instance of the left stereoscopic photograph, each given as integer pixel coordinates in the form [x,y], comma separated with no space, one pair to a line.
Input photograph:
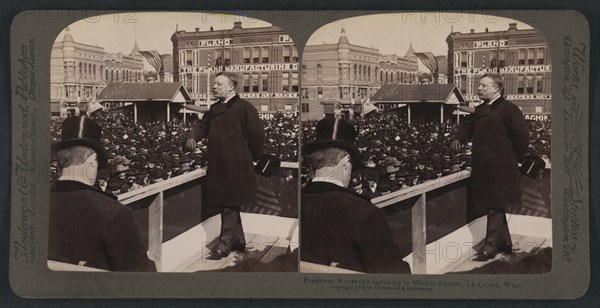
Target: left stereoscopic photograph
[174,145]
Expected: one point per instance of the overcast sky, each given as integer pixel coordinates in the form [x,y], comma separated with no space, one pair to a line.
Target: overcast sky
[392,33]
[152,31]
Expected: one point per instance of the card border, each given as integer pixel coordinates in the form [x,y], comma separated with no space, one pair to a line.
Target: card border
[554,176]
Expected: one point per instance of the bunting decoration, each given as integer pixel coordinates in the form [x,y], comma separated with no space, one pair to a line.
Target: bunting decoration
[428,60]
[153,57]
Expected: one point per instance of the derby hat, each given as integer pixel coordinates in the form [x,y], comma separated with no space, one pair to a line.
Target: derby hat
[267,164]
[82,131]
[335,133]
[532,165]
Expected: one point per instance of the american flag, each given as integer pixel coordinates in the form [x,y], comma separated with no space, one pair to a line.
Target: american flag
[153,57]
[428,60]
[267,202]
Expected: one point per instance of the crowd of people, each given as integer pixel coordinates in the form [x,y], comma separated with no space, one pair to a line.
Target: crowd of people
[394,154]
[282,136]
[397,155]
[145,153]
[540,134]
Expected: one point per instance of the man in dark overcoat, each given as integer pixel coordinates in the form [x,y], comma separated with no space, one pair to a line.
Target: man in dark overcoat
[89,227]
[236,138]
[500,140]
[338,227]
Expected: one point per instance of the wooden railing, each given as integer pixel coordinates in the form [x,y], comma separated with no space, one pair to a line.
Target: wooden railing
[155,210]
[418,212]
[419,237]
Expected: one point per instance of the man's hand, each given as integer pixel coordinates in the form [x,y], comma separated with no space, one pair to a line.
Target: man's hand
[455,146]
[190,144]
[195,108]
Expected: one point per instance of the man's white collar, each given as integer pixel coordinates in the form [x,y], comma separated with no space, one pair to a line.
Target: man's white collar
[228,99]
[328,180]
[495,99]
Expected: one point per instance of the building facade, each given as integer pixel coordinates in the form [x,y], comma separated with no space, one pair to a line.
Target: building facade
[335,77]
[520,56]
[79,72]
[265,60]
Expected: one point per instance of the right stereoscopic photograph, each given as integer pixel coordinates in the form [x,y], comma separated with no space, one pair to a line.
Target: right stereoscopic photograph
[426,146]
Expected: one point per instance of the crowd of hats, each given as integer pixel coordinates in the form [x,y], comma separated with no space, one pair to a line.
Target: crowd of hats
[282,136]
[140,154]
[396,154]
[540,135]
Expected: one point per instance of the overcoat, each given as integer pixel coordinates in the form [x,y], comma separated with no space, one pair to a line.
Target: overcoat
[500,140]
[341,228]
[236,138]
[90,226]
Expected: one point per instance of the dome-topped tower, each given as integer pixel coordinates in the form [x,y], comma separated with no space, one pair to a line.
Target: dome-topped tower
[410,52]
[68,44]
[343,53]
[135,50]
[343,39]
[68,38]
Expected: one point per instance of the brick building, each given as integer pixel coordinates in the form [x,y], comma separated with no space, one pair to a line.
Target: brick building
[341,77]
[521,56]
[79,72]
[265,60]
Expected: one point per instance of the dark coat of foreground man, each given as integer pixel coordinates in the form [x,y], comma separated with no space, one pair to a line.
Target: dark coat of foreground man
[92,227]
[86,226]
[342,227]
[338,227]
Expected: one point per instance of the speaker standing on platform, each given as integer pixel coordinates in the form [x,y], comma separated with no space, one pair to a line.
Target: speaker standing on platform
[500,140]
[236,138]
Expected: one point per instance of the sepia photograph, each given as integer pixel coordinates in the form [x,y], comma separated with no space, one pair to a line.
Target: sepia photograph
[426,146]
[354,153]
[174,145]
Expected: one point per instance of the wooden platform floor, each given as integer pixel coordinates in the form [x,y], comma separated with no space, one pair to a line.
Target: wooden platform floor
[260,247]
[454,252]
[523,246]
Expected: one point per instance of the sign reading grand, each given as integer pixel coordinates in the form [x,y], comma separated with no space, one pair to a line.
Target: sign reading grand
[217,42]
[490,44]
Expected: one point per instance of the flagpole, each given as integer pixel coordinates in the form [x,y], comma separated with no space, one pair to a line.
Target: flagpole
[184,113]
[208,78]
[207,86]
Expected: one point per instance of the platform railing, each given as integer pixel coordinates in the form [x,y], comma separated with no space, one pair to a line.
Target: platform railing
[418,212]
[156,191]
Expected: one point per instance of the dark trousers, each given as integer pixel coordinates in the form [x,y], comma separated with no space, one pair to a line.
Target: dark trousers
[232,231]
[497,234]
